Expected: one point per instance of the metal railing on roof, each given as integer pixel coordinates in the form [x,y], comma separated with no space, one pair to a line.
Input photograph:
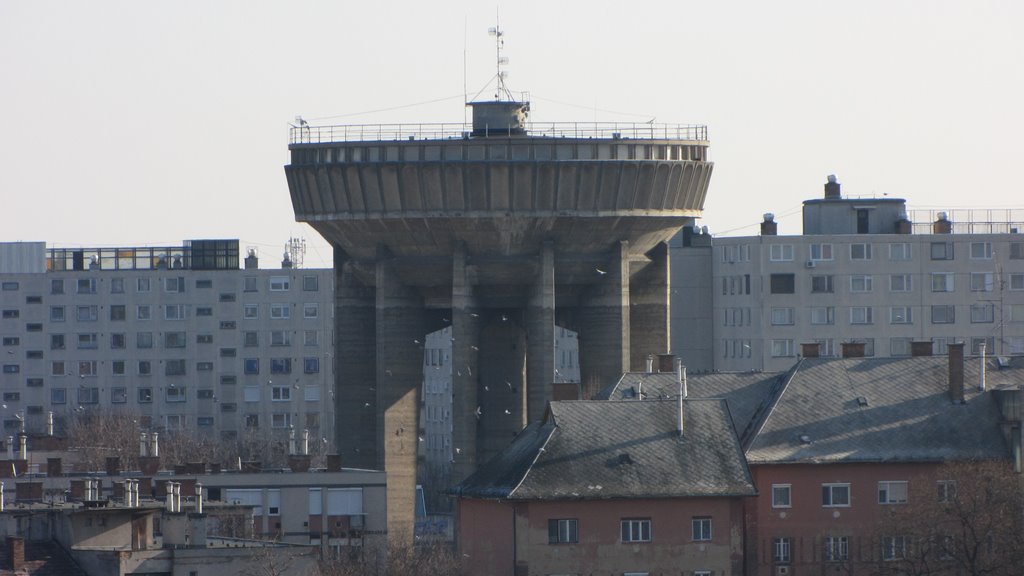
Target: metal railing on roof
[970,220]
[441,131]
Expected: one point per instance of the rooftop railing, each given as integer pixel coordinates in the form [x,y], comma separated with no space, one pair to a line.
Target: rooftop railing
[579,130]
[971,220]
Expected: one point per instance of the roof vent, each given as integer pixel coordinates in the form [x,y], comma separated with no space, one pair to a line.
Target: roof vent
[805,439]
[862,401]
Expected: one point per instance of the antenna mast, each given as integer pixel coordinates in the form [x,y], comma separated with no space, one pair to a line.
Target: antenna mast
[499,44]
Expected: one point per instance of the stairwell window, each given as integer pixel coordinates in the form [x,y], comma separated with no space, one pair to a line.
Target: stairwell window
[837,548]
[782,550]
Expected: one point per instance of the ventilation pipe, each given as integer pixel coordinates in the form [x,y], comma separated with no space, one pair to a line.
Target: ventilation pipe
[650,363]
[49,423]
[305,442]
[199,498]
[169,502]
[154,445]
[291,441]
[10,447]
[681,371]
[981,353]
[22,447]
[143,445]
[1,496]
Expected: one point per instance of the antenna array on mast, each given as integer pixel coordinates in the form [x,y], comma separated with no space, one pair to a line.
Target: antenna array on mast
[500,74]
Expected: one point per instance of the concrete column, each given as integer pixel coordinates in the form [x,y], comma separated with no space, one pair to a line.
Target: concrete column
[603,320]
[649,308]
[465,369]
[540,337]
[354,394]
[400,328]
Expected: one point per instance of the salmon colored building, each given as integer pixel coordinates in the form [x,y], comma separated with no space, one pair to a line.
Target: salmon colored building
[611,487]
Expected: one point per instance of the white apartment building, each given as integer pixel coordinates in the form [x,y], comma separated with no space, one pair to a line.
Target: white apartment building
[181,335]
[859,273]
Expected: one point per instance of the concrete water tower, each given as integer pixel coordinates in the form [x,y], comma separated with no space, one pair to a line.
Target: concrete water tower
[501,230]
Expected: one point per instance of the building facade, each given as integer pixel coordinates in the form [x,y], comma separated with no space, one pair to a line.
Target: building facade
[180,335]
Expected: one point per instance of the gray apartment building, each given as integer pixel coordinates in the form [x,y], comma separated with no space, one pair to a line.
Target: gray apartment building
[863,271]
[186,336]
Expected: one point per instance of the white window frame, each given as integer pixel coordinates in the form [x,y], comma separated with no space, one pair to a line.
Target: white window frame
[894,548]
[820,251]
[280,283]
[861,315]
[782,348]
[783,316]
[280,311]
[861,283]
[943,282]
[782,550]
[981,250]
[828,494]
[635,530]
[900,252]
[777,491]
[702,529]
[860,251]
[829,313]
[901,315]
[837,549]
[780,252]
[251,311]
[905,281]
[893,491]
[982,281]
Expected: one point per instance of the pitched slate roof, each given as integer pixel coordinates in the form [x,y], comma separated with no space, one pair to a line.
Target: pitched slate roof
[745,392]
[881,410]
[618,449]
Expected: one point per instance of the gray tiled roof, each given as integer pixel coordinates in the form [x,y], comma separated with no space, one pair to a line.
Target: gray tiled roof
[882,410]
[618,449]
[745,392]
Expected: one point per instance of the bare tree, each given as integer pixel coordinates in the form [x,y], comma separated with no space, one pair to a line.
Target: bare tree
[434,559]
[968,521]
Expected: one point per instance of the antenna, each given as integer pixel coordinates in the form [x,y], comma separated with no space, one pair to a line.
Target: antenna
[499,60]
[295,250]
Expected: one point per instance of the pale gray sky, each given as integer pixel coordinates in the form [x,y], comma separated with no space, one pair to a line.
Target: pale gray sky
[142,123]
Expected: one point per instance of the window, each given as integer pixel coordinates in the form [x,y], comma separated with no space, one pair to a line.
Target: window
[280,365]
[88,341]
[280,311]
[227,325]
[57,368]
[34,354]
[33,299]
[251,366]
[942,250]
[946,490]
[205,394]
[88,395]
[58,396]
[900,283]
[204,283]
[892,492]
[251,311]
[252,420]
[174,367]
[228,380]
[861,315]
[11,341]
[636,530]
[57,342]
[837,548]
[204,366]
[280,338]
[780,252]
[250,284]
[981,281]
[143,312]
[86,285]
[821,252]
[894,547]
[781,550]
[174,312]
[311,394]
[990,345]
[983,314]
[56,286]
[782,316]
[280,420]
[34,327]
[117,367]
[144,340]
[204,338]
[228,352]
[279,283]
[281,393]
[701,528]
[175,394]
[12,368]
[9,286]
[783,284]
[142,285]
[145,368]
[781,495]
[118,395]
[310,283]
[942,282]
[145,395]
[899,251]
[822,285]
[901,315]
[1016,281]
[118,341]
[204,311]
[87,368]
[251,393]
[174,339]
[204,421]
[860,283]
[944,314]
[250,339]
[310,365]
[981,250]
[34,382]
[311,338]
[860,251]
[56,313]
[175,284]
[782,348]
[310,310]
[86,313]
[835,495]
[117,313]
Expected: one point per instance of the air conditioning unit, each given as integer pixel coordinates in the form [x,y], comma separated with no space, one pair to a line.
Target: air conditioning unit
[811,264]
[782,571]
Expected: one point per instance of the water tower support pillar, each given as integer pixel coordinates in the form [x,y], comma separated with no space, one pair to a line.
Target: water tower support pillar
[540,335]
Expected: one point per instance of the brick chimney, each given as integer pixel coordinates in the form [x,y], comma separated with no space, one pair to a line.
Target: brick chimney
[334,462]
[904,225]
[666,362]
[832,188]
[769,227]
[942,225]
[810,349]
[956,373]
[921,348]
[853,349]
[15,552]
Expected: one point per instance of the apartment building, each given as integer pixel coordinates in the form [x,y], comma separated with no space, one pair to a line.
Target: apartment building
[181,335]
[860,272]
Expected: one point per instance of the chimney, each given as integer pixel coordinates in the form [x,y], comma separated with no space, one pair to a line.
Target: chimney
[199,498]
[49,423]
[291,442]
[54,467]
[810,349]
[650,364]
[22,447]
[144,445]
[832,188]
[904,225]
[921,348]
[252,262]
[334,462]
[10,447]
[956,373]
[769,227]
[853,349]
[1,496]
[15,553]
[154,445]
[304,447]
[942,225]
[682,394]
[113,466]
[981,353]
[666,362]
